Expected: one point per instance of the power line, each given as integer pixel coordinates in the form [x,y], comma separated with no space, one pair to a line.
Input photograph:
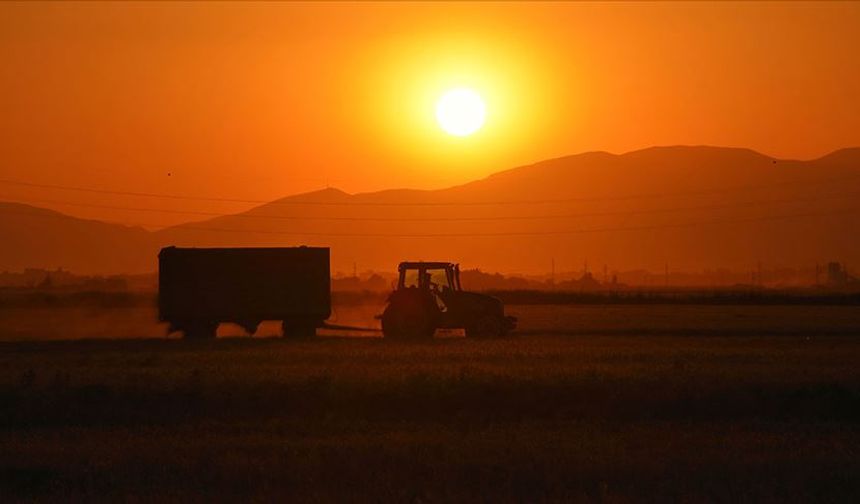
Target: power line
[488,234]
[452,219]
[429,204]
[547,233]
[125,193]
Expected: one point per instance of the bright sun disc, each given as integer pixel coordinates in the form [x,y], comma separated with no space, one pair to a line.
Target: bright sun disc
[460,112]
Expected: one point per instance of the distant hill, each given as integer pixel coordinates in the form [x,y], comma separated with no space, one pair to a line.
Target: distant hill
[33,237]
[690,207]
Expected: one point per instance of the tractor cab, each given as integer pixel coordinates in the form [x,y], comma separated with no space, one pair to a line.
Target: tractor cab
[434,276]
[429,296]
[438,281]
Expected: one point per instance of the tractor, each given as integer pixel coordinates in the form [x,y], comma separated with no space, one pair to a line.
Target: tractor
[428,296]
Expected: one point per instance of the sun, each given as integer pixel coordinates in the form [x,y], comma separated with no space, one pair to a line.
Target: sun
[460,111]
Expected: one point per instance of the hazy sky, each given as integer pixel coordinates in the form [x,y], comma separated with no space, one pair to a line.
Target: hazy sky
[260,101]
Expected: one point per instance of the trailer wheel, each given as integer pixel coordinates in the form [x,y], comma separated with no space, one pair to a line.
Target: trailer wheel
[299,328]
[250,326]
[199,330]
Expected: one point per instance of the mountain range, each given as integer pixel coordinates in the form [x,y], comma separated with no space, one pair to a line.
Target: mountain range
[688,207]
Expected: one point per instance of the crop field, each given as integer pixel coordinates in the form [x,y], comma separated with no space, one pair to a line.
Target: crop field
[585,403]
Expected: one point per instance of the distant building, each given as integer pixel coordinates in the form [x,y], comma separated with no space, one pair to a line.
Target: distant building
[837,275]
[586,282]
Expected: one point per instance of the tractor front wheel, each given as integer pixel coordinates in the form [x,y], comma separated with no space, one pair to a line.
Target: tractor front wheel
[486,326]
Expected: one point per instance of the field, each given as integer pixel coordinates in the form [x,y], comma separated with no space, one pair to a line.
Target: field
[596,403]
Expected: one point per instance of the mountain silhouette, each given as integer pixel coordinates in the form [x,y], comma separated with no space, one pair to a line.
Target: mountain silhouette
[40,238]
[693,207]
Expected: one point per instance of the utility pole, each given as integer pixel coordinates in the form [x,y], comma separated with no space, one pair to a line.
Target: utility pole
[667,274]
[760,279]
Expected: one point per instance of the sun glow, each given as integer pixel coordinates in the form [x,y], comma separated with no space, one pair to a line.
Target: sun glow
[460,112]
[454,106]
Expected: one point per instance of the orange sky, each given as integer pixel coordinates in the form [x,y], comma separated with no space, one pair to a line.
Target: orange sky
[259,101]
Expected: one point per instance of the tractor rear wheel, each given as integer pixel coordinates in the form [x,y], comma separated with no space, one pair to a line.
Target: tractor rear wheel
[407,323]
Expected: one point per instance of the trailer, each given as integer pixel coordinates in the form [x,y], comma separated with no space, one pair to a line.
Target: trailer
[199,288]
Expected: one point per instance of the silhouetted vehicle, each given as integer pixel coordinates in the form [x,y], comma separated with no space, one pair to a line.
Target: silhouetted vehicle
[198,288]
[429,296]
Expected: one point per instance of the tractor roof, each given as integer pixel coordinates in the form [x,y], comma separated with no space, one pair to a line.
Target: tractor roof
[425,265]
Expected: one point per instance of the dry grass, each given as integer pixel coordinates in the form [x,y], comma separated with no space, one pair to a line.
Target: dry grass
[537,417]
